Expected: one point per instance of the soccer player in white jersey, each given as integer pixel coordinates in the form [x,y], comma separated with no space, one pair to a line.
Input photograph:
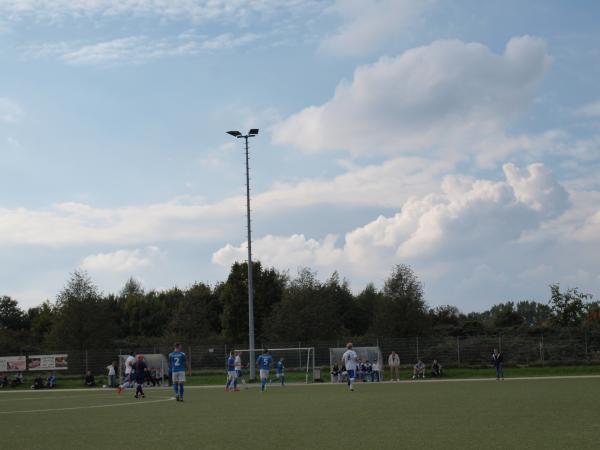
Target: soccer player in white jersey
[238,369]
[349,361]
[127,381]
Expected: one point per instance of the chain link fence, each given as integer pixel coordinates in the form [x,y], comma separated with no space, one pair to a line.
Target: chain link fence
[450,351]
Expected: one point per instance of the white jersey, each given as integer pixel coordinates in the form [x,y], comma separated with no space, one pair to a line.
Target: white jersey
[129,364]
[349,359]
[237,363]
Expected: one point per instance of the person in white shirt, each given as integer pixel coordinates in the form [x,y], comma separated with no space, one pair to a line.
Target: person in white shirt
[394,363]
[238,368]
[349,361]
[127,381]
[112,374]
[375,374]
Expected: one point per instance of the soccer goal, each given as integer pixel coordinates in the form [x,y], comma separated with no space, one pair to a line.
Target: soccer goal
[371,355]
[295,359]
[156,362]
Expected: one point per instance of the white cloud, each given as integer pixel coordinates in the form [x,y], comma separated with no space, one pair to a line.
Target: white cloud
[194,220]
[445,96]
[472,232]
[120,260]
[135,49]
[10,111]
[590,110]
[195,11]
[371,24]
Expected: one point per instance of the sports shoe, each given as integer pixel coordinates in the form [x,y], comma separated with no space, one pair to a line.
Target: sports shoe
[177,398]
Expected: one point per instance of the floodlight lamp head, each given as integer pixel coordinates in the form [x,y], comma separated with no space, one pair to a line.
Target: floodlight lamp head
[234,133]
[253,132]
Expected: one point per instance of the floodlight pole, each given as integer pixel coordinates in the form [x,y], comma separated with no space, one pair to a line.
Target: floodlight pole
[252,133]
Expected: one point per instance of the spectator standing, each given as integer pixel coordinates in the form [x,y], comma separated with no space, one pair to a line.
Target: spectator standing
[375,368]
[112,374]
[394,363]
[498,360]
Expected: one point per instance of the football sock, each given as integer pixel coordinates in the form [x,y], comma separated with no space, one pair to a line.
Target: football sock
[175,387]
[180,390]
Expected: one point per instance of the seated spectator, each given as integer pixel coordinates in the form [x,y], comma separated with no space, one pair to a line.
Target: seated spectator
[419,370]
[375,368]
[436,369]
[51,381]
[335,373]
[38,383]
[3,381]
[89,379]
[369,370]
[17,380]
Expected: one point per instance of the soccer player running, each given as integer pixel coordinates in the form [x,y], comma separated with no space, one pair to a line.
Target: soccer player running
[177,366]
[129,362]
[349,361]
[231,374]
[264,362]
[279,367]
[140,375]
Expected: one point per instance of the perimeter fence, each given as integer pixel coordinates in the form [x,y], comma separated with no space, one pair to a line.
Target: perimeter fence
[451,351]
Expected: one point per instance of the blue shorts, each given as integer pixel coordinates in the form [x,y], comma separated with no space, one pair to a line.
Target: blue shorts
[350,373]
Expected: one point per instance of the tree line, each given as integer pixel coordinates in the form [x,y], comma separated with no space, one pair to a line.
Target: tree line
[291,309]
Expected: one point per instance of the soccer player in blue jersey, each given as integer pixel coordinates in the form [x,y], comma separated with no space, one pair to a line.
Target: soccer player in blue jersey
[264,362]
[177,366]
[279,367]
[231,374]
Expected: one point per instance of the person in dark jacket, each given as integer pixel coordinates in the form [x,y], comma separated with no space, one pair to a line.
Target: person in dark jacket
[498,360]
[89,379]
[140,375]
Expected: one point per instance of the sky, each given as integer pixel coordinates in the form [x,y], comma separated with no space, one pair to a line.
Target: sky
[458,137]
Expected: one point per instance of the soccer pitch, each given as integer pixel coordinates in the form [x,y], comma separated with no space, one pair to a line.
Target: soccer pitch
[534,413]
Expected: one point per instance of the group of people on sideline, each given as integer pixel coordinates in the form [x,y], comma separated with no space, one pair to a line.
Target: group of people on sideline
[366,371]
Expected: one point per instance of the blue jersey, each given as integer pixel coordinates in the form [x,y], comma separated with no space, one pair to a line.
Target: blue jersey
[230,364]
[177,362]
[264,362]
[280,367]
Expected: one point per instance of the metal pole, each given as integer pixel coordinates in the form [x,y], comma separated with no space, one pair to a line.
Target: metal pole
[250,287]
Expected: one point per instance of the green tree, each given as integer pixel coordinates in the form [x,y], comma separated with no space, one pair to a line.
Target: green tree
[505,315]
[402,311]
[83,318]
[534,314]
[568,308]
[364,310]
[268,291]
[41,319]
[191,320]
[11,316]
[310,309]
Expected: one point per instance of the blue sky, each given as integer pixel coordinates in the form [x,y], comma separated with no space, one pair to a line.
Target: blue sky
[459,137]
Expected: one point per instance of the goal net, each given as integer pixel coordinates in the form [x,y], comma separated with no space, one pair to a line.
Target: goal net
[295,359]
[372,355]
[156,362]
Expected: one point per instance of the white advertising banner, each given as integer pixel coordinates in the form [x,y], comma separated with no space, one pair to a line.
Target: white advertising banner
[48,362]
[13,363]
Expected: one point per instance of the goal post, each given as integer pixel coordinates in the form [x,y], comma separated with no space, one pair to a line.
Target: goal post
[296,359]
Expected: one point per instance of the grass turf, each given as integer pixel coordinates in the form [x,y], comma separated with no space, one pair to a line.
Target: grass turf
[540,413]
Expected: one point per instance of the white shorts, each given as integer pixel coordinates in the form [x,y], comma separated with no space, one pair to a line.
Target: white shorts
[279,374]
[178,377]
[231,374]
[264,374]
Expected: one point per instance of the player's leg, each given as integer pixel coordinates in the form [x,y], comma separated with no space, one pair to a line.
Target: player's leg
[351,379]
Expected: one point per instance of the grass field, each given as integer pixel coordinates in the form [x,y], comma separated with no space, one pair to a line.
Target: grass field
[535,413]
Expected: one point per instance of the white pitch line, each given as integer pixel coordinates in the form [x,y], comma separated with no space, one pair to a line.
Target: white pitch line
[74,408]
